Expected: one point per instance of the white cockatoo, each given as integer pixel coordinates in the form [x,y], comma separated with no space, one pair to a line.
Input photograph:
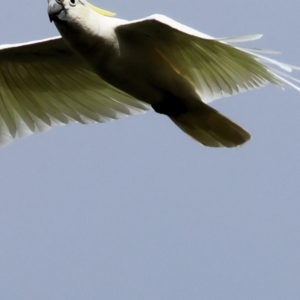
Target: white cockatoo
[103,68]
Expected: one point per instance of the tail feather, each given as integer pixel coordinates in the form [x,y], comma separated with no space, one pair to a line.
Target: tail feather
[210,128]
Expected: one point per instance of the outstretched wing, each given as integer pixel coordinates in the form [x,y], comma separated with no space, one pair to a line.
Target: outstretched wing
[213,66]
[43,84]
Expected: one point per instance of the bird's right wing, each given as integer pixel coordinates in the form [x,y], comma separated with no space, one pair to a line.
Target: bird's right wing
[43,84]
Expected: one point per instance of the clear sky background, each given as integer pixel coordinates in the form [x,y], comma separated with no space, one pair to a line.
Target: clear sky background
[134,209]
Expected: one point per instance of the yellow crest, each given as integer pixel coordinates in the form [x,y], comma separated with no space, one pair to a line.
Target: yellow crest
[101,11]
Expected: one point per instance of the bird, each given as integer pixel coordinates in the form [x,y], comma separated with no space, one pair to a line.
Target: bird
[102,68]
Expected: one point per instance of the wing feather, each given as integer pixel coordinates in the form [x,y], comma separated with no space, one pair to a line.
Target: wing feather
[29,107]
[43,84]
[214,66]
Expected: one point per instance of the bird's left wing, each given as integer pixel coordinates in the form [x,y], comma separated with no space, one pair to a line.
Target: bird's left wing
[214,66]
[43,83]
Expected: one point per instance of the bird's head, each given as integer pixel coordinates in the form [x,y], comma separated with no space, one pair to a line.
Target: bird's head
[63,11]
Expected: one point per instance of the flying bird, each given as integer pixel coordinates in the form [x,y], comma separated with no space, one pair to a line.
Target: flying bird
[103,68]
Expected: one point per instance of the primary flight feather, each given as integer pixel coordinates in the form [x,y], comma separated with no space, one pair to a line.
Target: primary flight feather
[104,68]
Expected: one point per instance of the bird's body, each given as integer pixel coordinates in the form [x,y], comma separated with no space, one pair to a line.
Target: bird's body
[132,64]
[149,62]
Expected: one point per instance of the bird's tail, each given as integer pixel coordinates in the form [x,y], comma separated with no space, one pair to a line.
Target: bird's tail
[210,128]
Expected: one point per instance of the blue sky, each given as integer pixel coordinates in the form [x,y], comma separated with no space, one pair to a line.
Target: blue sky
[134,209]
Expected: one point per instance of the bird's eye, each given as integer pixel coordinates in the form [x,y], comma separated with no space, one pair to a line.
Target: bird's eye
[72,2]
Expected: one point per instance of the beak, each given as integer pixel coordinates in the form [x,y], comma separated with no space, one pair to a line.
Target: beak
[56,11]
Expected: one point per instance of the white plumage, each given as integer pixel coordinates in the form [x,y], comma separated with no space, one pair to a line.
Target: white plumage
[104,68]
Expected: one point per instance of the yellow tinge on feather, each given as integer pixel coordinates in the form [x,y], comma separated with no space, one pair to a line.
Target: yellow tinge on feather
[101,11]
